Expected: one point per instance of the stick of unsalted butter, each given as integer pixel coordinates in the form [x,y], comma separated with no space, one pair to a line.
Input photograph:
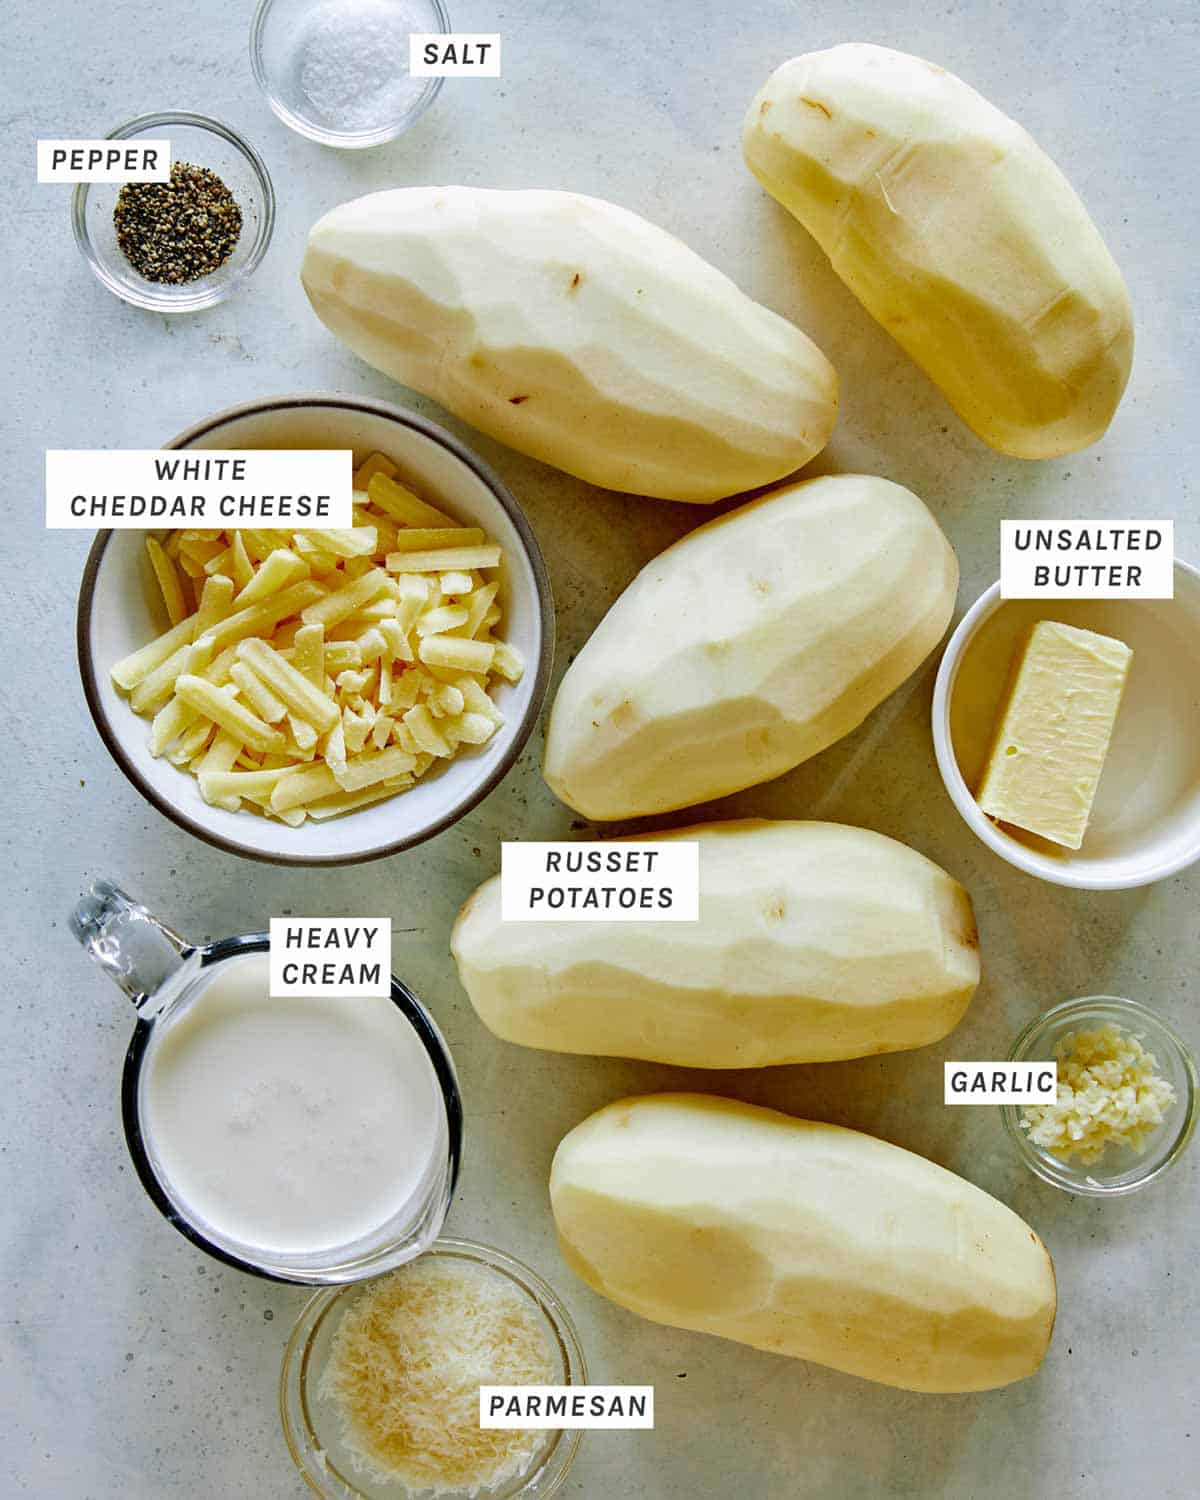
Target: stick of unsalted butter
[1054,731]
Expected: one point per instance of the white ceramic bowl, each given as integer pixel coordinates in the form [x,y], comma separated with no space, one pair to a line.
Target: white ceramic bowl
[118,612]
[1145,822]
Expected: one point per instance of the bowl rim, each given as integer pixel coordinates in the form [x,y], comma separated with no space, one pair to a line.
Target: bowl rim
[986,605]
[214,292]
[1136,1014]
[298,1434]
[541,680]
[339,139]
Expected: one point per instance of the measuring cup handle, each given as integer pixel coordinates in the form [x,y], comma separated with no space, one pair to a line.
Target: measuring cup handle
[137,951]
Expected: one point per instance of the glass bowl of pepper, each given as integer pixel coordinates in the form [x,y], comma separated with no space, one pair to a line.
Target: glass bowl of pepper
[184,244]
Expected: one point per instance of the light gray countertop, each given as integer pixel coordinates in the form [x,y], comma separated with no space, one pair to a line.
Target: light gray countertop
[131,1366]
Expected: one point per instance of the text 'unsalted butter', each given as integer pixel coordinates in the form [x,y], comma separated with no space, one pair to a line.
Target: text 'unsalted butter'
[1087,560]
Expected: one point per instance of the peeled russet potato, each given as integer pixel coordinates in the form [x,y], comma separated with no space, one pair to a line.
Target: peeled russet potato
[750,645]
[958,233]
[805,1239]
[815,942]
[574,331]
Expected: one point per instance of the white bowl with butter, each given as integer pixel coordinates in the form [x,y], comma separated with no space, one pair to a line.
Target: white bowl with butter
[1145,819]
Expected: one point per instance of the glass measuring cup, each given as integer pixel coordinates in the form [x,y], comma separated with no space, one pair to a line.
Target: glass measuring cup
[164,975]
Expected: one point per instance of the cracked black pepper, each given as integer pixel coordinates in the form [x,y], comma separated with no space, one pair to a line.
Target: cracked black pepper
[177,231]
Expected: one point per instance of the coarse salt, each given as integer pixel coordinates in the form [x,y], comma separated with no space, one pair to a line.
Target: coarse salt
[353,62]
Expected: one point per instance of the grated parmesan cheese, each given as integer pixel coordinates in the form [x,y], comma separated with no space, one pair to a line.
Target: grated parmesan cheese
[1109,1093]
[406,1364]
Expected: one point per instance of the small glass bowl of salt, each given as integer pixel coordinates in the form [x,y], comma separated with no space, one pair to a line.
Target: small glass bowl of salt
[337,72]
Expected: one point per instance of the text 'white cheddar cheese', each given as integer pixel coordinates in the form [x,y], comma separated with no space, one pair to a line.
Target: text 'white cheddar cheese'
[574,331]
[1054,731]
[815,941]
[805,1239]
[958,233]
[749,646]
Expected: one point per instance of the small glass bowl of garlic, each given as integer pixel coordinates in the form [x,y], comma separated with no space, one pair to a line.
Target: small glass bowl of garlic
[1127,1097]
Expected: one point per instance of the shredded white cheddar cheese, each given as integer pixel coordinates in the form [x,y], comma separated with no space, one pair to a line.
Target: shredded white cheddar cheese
[405,1366]
[1110,1093]
[309,673]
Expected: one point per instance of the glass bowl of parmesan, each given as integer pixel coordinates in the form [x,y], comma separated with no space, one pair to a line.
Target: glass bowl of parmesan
[337,71]
[380,1388]
[1126,1101]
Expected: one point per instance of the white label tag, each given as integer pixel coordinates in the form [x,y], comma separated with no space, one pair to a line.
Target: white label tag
[1087,559]
[454,54]
[1000,1082]
[104,161]
[131,488]
[566,1406]
[617,881]
[350,956]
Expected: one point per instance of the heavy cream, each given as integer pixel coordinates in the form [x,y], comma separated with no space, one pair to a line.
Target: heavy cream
[291,1125]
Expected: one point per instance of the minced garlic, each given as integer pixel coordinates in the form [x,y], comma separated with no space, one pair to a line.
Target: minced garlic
[1109,1093]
